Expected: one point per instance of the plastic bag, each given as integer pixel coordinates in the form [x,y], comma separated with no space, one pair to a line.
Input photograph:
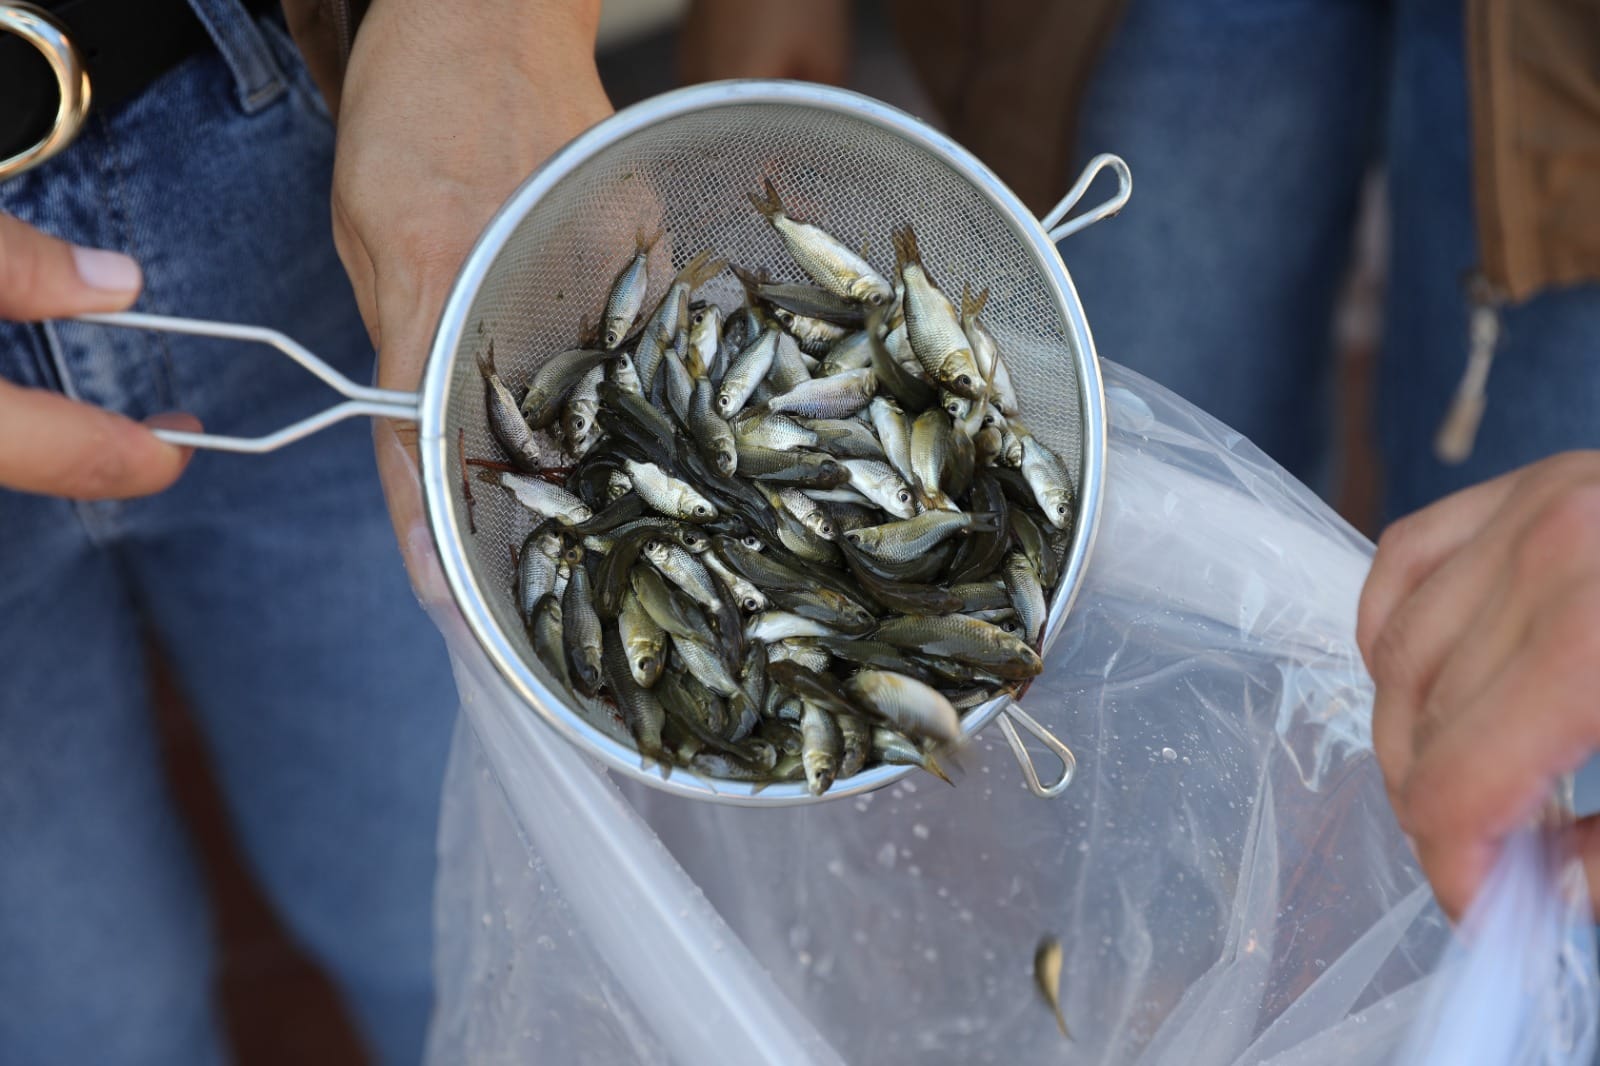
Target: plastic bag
[1225,875]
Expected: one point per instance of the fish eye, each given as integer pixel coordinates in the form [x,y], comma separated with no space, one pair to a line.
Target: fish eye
[646,663]
[964,380]
[988,420]
[826,529]
[1061,508]
[701,509]
[853,536]
[752,604]
[751,541]
[1009,626]
[903,496]
[611,336]
[877,299]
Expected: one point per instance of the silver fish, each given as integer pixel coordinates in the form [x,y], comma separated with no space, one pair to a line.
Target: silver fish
[777,432]
[894,433]
[749,598]
[581,632]
[879,483]
[705,339]
[930,457]
[546,630]
[815,335]
[578,428]
[806,510]
[986,353]
[1047,477]
[713,437]
[788,365]
[505,418]
[541,497]
[822,747]
[628,290]
[846,438]
[853,352]
[684,570]
[746,371]
[894,749]
[915,709]
[822,256]
[933,325]
[830,397]
[537,565]
[772,626]
[912,537]
[667,495]
[644,642]
[1027,595]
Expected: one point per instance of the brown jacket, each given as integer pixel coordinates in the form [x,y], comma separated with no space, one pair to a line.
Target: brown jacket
[1008,78]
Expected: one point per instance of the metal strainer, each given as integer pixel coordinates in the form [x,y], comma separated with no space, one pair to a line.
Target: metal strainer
[682,163]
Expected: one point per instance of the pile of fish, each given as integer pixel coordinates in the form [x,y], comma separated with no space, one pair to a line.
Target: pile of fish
[789,541]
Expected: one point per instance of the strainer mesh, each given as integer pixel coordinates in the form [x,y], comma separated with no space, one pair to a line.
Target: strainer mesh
[688,176]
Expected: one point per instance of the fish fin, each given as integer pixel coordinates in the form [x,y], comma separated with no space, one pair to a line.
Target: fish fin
[984,522]
[642,243]
[699,270]
[906,252]
[972,303]
[866,245]
[930,764]
[486,362]
[489,477]
[771,204]
[751,280]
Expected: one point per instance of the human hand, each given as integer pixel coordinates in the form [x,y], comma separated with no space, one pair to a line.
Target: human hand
[1480,624]
[765,39]
[446,108]
[48,443]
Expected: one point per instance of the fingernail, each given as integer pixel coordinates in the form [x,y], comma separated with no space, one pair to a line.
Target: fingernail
[107,271]
[174,420]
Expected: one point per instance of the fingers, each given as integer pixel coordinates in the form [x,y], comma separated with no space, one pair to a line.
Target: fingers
[1487,768]
[41,277]
[56,446]
[1411,549]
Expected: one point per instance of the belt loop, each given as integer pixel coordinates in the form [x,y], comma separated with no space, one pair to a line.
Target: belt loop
[255,69]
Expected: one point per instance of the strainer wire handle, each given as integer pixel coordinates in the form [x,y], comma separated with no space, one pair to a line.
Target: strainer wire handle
[360,400]
[1013,716]
[1060,230]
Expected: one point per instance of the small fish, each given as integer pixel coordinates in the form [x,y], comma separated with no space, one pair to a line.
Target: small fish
[804,508]
[545,628]
[581,631]
[749,598]
[914,708]
[1027,595]
[822,747]
[912,537]
[830,397]
[667,495]
[537,564]
[705,339]
[708,668]
[748,369]
[855,744]
[641,710]
[963,640]
[816,335]
[644,642]
[554,380]
[933,326]
[770,626]
[622,373]
[879,483]
[801,652]
[986,353]
[809,301]
[788,365]
[578,427]
[627,294]
[540,497]
[1047,976]
[931,448]
[505,419]
[679,384]
[773,431]
[822,256]
[846,438]
[894,433]
[832,609]
[672,612]
[1052,488]
[713,437]
[684,570]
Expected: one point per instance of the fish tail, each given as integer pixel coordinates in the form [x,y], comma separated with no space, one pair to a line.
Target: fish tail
[770,205]
[972,303]
[906,252]
[750,279]
[699,270]
[930,764]
[643,242]
[486,361]
[488,477]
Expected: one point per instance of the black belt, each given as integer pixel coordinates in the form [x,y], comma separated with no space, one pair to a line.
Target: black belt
[123,46]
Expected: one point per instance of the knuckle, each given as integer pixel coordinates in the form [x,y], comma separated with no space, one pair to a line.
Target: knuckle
[100,468]
[1566,528]
[1391,658]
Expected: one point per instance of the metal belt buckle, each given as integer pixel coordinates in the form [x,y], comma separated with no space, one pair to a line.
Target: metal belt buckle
[41,30]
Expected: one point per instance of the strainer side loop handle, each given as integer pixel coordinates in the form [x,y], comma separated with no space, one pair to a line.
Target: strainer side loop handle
[1013,716]
[360,400]
[1059,230]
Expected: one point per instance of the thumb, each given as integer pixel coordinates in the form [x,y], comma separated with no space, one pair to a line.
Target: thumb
[42,277]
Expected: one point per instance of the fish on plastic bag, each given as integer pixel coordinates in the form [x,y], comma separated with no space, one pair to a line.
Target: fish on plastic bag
[1225,877]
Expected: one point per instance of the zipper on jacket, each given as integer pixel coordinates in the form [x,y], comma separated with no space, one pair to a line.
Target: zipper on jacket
[343,25]
[1452,444]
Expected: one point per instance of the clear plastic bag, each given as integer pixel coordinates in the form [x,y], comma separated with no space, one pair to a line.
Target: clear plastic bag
[1225,875]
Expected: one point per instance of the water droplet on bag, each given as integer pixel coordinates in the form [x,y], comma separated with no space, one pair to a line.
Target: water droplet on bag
[886,856]
[1168,755]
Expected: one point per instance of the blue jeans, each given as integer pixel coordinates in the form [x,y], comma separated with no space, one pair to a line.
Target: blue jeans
[1249,125]
[272,584]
